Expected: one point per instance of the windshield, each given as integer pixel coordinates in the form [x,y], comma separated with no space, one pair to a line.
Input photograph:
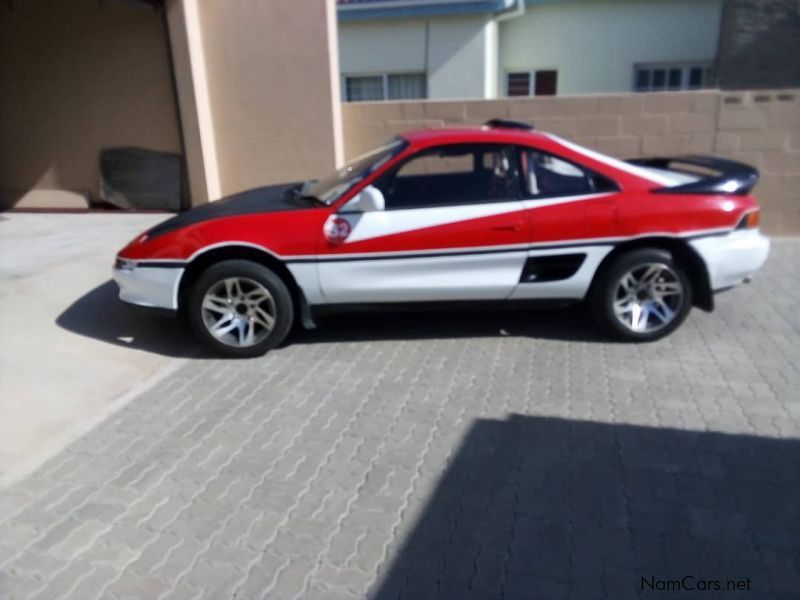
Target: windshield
[328,189]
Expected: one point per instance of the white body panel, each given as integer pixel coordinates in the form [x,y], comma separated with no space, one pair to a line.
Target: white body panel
[491,273]
[307,277]
[489,276]
[453,274]
[148,286]
[574,287]
[732,258]
[375,224]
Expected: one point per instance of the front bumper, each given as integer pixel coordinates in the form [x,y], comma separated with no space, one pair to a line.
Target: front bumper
[732,258]
[151,286]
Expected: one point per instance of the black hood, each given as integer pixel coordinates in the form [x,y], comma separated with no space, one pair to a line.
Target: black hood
[271,198]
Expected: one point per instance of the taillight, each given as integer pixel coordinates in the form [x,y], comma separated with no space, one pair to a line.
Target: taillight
[750,220]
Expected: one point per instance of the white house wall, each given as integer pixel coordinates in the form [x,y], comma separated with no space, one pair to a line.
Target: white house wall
[457,57]
[594,44]
[457,48]
[490,59]
[386,46]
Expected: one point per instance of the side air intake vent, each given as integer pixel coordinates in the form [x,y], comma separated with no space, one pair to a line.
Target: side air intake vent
[509,124]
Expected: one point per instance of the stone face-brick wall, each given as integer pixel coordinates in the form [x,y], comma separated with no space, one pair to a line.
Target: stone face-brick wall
[759,45]
[758,128]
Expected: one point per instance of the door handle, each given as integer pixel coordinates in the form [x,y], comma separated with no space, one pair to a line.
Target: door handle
[508,227]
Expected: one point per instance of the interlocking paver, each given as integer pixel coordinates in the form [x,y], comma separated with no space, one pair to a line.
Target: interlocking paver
[93,584]
[153,555]
[513,455]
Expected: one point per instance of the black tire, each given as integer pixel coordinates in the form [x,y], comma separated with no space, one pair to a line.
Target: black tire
[606,288]
[248,273]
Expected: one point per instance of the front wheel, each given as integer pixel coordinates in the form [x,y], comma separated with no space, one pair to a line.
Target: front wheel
[642,296]
[240,308]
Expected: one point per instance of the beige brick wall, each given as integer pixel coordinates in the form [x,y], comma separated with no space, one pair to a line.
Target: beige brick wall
[759,128]
[274,99]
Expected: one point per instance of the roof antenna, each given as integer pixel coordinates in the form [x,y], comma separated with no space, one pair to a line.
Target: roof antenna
[509,124]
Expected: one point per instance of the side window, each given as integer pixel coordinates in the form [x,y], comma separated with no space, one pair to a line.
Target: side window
[458,174]
[546,176]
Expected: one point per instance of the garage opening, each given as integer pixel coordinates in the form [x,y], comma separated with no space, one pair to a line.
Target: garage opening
[89,116]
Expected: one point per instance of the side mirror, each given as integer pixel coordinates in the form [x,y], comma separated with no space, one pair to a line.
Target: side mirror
[368,200]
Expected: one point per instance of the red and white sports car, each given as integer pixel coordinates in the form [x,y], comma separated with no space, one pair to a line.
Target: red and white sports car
[499,212]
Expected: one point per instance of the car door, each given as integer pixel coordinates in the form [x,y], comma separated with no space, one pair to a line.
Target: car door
[449,225]
[571,215]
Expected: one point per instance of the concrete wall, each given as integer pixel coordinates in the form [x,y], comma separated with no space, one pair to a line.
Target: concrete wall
[758,128]
[271,88]
[455,52]
[76,77]
[594,44]
[186,45]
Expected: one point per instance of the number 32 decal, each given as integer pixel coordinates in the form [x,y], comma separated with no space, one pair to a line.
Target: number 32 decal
[336,229]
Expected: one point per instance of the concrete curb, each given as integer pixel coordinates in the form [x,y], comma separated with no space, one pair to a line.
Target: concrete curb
[60,442]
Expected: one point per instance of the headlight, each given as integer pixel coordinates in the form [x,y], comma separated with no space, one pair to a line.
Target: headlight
[123,264]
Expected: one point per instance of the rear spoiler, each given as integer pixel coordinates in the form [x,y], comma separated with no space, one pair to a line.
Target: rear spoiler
[730,177]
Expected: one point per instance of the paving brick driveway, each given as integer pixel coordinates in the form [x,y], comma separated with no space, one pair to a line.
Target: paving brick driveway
[442,456]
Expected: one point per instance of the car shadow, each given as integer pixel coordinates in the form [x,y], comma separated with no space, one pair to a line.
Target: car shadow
[536,507]
[99,314]
[571,323]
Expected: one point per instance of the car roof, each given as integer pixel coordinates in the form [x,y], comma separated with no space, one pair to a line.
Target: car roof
[421,138]
[630,176]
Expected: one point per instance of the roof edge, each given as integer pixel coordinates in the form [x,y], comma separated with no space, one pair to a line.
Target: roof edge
[380,9]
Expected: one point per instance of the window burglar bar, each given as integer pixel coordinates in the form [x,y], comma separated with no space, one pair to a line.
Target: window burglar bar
[662,77]
[386,86]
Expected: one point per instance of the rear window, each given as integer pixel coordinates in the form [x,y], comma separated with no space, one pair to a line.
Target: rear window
[547,176]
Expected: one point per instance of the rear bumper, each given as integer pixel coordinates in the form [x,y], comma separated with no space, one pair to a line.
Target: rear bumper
[149,287]
[732,258]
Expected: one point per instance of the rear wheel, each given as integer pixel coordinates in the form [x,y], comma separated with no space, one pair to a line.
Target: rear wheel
[240,308]
[644,295]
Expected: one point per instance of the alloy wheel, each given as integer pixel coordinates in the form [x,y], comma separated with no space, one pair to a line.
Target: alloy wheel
[238,311]
[648,297]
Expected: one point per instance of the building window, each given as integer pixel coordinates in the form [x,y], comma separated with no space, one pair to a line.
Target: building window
[532,83]
[662,77]
[359,89]
[519,84]
[546,83]
[389,86]
[406,86]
